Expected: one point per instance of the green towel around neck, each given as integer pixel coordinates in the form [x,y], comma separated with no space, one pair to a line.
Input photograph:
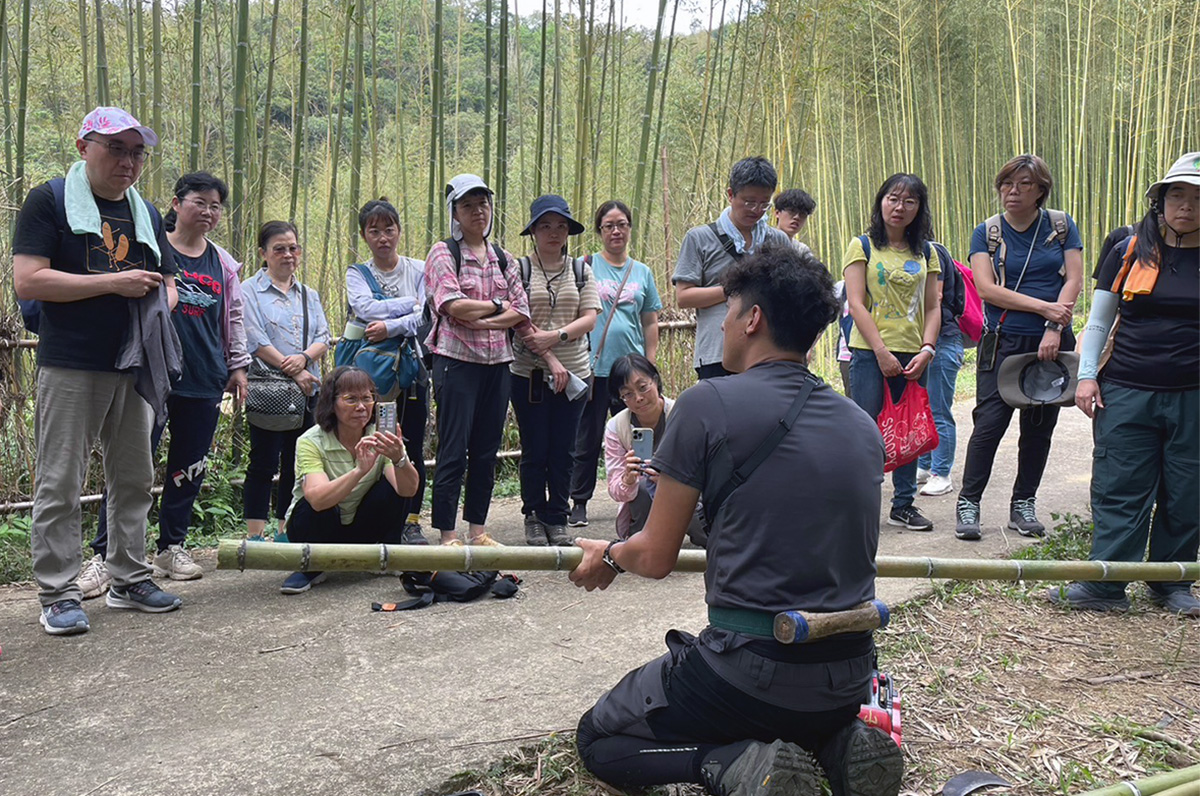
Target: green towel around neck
[83,216]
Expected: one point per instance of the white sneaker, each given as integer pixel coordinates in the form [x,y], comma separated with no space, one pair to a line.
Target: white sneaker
[923,475]
[94,578]
[176,564]
[937,485]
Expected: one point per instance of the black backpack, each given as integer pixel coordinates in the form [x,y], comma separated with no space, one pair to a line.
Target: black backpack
[427,588]
[428,315]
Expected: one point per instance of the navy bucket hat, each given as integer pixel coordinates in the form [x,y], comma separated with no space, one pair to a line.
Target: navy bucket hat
[551,204]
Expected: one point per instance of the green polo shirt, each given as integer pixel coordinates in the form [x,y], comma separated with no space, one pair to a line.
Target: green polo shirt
[320,451]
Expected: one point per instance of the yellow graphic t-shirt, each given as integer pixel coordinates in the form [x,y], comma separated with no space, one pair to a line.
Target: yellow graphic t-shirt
[895,295]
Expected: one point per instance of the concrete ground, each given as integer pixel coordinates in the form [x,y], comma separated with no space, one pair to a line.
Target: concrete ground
[246,691]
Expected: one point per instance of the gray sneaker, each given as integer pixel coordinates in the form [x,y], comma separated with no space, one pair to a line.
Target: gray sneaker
[94,579]
[862,761]
[1078,595]
[145,595]
[64,618]
[559,537]
[175,563]
[967,526]
[1023,518]
[774,769]
[1179,601]
[535,532]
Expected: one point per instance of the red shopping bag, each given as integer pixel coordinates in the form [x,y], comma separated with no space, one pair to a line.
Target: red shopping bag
[907,427]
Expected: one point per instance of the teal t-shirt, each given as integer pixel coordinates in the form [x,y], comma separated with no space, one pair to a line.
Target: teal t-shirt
[640,294]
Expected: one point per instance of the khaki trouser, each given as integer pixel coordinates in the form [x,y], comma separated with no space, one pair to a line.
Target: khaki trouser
[74,408]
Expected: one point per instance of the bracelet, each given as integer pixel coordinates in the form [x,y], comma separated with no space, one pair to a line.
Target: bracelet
[307,359]
[927,347]
[608,559]
[403,460]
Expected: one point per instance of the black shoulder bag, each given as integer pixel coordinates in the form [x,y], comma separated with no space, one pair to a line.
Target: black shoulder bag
[274,401]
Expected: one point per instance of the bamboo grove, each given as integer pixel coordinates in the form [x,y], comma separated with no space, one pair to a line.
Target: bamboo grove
[309,107]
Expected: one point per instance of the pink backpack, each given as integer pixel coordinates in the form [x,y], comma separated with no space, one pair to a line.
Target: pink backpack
[971,320]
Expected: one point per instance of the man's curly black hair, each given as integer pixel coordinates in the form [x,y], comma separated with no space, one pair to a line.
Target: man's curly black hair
[793,290]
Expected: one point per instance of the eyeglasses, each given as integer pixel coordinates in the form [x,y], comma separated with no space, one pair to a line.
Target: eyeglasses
[756,206]
[200,204]
[120,152]
[281,250]
[1024,186]
[908,201]
[641,388]
[619,226]
[358,400]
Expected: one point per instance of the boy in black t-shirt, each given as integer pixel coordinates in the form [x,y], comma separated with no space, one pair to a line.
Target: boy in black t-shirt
[85,246]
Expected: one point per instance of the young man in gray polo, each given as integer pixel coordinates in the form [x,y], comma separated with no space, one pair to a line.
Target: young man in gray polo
[709,249]
[800,532]
[88,246]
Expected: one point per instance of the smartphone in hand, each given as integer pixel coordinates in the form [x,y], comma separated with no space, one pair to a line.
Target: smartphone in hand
[386,420]
[643,443]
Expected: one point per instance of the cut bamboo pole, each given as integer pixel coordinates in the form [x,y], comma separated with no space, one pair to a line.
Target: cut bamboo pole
[1158,785]
[234,554]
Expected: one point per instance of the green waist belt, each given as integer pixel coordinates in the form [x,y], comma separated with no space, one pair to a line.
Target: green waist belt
[760,624]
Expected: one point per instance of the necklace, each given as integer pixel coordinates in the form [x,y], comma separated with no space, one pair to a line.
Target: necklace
[551,287]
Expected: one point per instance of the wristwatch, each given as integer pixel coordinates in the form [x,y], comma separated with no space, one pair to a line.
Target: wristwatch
[1054,327]
[499,305]
[562,336]
[608,559]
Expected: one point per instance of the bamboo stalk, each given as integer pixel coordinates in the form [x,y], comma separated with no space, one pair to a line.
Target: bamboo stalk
[266,131]
[131,60]
[197,48]
[1157,785]
[101,57]
[83,52]
[647,109]
[4,97]
[539,170]
[335,144]
[501,183]
[156,179]
[143,86]
[360,13]
[22,102]
[235,554]
[241,77]
[487,88]
[298,137]
[436,91]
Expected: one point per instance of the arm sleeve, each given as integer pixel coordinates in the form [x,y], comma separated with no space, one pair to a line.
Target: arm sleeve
[1099,324]
[690,266]
[308,458]
[364,304]
[614,467]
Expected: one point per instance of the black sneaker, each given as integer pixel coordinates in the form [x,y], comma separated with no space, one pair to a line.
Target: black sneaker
[412,534]
[909,517]
[559,537]
[967,526]
[142,596]
[578,518]
[535,532]
[1023,518]
[774,769]
[862,761]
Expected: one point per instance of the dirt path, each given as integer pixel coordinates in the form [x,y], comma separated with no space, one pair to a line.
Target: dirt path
[245,690]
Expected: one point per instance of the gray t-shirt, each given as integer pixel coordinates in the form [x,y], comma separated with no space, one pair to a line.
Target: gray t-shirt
[802,532]
[702,258]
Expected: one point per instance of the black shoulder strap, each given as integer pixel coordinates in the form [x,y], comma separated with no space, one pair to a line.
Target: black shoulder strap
[577,264]
[765,448]
[726,241]
[526,266]
[456,252]
[865,240]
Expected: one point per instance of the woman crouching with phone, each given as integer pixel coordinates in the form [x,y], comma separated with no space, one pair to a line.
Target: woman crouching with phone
[635,382]
[351,477]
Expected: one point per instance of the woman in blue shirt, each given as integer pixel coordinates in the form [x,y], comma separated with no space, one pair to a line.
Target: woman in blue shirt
[1028,285]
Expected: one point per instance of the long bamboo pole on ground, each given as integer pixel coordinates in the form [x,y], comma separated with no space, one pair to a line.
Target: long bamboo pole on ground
[235,554]
[1157,785]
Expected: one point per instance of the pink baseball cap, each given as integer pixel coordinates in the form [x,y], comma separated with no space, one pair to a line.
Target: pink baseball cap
[110,121]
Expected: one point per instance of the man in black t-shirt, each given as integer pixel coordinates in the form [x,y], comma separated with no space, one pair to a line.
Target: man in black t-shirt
[89,248]
[734,709]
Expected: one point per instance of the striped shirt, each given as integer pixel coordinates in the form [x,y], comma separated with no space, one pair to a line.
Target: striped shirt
[554,301]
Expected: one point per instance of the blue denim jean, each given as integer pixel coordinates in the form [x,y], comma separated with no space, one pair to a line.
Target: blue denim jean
[943,376]
[866,390]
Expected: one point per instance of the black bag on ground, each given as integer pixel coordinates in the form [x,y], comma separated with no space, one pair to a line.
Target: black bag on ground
[460,587]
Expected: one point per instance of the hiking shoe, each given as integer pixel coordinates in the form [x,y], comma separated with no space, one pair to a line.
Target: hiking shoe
[967,526]
[908,517]
[483,540]
[412,534]
[64,618]
[94,579]
[142,596]
[175,563]
[578,518]
[535,532]
[1078,595]
[923,475]
[774,769]
[862,761]
[300,582]
[559,537]
[1179,601]
[937,485]
[1023,519]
